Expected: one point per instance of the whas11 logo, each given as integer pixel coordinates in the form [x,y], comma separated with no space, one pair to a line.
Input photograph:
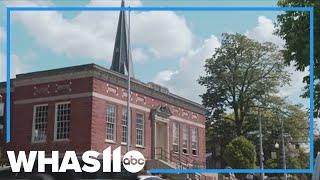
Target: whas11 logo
[133,161]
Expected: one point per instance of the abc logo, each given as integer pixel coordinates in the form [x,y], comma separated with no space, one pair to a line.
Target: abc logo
[133,161]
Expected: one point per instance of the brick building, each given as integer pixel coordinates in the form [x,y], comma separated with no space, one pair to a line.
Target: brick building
[83,108]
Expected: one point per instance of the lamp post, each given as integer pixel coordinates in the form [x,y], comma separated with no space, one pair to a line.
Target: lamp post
[261,143]
[274,155]
[283,145]
[261,154]
[284,164]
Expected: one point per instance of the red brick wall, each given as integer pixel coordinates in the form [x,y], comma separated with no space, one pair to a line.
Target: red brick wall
[98,138]
[88,119]
[98,127]
[22,118]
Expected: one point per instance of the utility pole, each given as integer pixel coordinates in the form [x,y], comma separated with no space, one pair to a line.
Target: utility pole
[261,144]
[129,87]
[122,60]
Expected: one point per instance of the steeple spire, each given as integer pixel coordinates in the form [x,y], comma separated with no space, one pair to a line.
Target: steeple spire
[122,58]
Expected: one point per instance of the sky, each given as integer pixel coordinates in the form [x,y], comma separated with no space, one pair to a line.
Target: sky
[168,48]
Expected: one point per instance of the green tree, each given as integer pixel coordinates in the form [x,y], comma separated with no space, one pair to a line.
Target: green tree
[238,76]
[299,162]
[240,153]
[218,135]
[221,132]
[294,28]
[295,125]
[296,129]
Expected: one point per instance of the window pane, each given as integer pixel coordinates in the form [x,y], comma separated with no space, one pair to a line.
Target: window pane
[194,142]
[175,133]
[185,143]
[124,125]
[140,129]
[62,120]
[40,123]
[111,122]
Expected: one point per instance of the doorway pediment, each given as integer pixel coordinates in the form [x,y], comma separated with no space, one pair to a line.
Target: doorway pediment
[162,111]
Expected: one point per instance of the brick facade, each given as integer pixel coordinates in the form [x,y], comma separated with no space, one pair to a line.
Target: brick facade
[89,88]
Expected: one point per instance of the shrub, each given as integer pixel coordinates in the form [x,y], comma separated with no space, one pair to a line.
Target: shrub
[240,153]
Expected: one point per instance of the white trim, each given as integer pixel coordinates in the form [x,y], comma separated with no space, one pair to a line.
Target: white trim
[186,121]
[159,118]
[60,77]
[55,121]
[109,141]
[100,96]
[139,146]
[33,123]
[53,98]
[121,102]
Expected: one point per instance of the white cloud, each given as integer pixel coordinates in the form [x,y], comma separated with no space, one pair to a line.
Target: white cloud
[294,90]
[17,67]
[138,55]
[163,77]
[184,80]
[264,31]
[165,33]
[91,34]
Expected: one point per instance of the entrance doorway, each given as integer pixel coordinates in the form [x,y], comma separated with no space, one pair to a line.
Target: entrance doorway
[161,140]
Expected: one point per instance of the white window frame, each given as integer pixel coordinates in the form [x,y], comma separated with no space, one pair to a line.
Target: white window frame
[140,129]
[185,136]
[113,123]
[194,139]
[34,121]
[56,122]
[124,126]
[175,136]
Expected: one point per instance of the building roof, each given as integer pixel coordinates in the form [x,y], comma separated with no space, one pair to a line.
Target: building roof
[94,70]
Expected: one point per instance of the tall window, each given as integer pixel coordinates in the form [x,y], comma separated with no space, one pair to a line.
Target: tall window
[140,129]
[194,141]
[124,125]
[111,122]
[62,120]
[185,142]
[40,122]
[175,136]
